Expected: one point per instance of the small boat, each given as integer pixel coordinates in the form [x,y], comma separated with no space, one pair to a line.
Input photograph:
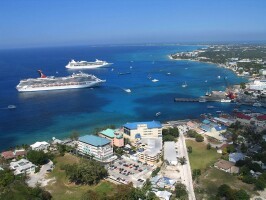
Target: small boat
[218,111]
[124,73]
[130,67]
[186,68]
[210,107]
[112,69]
[208,94]
[184,85]
[157,114]
[225,100]
[218,77]
[11,106]
[257,104]
[202,100]
[206,81]
[168,73]
[154,80]
[127,90]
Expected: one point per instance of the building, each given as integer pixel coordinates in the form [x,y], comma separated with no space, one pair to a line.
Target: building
[260,121]
[258,85]
[40,146]
[234,157]
[226,166]
[139,130]
[242,118]
[115,136]
[22,166]
[170,153]
[99,148]
[152,153]
[13,154]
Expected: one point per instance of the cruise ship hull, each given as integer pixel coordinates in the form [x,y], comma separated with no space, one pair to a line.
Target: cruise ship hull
[63,87]
[87,66]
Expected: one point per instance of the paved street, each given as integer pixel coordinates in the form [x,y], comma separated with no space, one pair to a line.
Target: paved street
[185,170]
[40,176]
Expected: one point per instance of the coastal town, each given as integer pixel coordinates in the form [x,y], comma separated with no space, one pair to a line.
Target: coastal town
[157,158]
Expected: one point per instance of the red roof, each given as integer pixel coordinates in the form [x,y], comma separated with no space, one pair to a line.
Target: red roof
[261,117]
[8,154]
[243,116]
[20,153]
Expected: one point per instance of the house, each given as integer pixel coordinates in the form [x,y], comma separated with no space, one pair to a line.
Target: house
[13,154]
[22,166]
[163,195]
[260,121]
[40,146]
[242,118]
[226,166]
[114,135]
[170,153]
[99,148]
[138,130]
[234,157]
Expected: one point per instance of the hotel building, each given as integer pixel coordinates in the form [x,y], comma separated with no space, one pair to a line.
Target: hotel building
[99,148]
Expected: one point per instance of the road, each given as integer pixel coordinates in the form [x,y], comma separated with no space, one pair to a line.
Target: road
[40,176]
[185,169]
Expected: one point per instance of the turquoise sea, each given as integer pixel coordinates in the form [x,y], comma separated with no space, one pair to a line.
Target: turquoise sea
[43,115]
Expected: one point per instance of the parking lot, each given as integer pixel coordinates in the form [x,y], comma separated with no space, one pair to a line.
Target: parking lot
[126,171]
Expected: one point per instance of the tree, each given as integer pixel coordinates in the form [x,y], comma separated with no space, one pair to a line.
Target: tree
[225,191]
[189,149]
[182,160]
[168,138]
[192,133]
[260,184]
[6,177]
[209,146]
[155,172]
[241,195]
[181,191]
[199,138]
[196,173]
[74,135]
[242,85]
[37,157]
[230,148]
[243,148]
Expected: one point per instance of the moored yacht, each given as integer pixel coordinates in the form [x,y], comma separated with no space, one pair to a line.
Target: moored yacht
[86,65]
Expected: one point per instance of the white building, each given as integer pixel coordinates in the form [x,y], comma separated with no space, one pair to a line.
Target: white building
[152,152]
[40,146]
[258,85]
[139,130]
[170,153]
[22,166]
[98,147]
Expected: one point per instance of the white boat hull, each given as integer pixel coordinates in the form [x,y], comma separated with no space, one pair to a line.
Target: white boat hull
[63,87]
[87,66]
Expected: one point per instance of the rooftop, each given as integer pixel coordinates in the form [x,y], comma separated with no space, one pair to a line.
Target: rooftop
[224,164]
[170,152]
[150,124]
[37,144]
[108,132]
[94,140]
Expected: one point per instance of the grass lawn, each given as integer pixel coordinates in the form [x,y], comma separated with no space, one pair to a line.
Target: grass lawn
[63,190]
[213,178]
[201,158]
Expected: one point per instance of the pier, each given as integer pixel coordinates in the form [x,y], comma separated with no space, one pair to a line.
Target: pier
[201,99]
[187,99]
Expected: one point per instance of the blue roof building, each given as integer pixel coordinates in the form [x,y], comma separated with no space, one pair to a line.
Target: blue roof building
[94,140]
[150,125]
[140,130]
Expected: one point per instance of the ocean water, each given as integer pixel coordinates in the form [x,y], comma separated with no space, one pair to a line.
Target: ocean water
[43,115]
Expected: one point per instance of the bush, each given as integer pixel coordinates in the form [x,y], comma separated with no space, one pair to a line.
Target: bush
[37,157]
[192,133]
[199,138]
[209,146]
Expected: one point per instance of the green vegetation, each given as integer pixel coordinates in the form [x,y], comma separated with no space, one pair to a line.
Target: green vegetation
[38,157]
[194,134]
[14,187]
[85,172]
[74,135]
[225,191]
[181,191]
[210,181]
[155,172]
[201,158]
[189,149]
[170,134]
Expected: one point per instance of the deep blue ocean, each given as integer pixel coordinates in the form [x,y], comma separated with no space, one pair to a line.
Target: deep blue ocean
[43,115]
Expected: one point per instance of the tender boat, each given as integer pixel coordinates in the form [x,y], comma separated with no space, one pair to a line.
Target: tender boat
[154,80]
[127,90]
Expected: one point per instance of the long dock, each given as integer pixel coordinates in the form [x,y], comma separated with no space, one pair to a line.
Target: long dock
[187,99]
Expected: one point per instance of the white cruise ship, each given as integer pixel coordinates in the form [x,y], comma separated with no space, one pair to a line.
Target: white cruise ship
[86,65]
[43,83]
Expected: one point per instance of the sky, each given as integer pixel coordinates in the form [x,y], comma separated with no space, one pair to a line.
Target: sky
[31,23]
